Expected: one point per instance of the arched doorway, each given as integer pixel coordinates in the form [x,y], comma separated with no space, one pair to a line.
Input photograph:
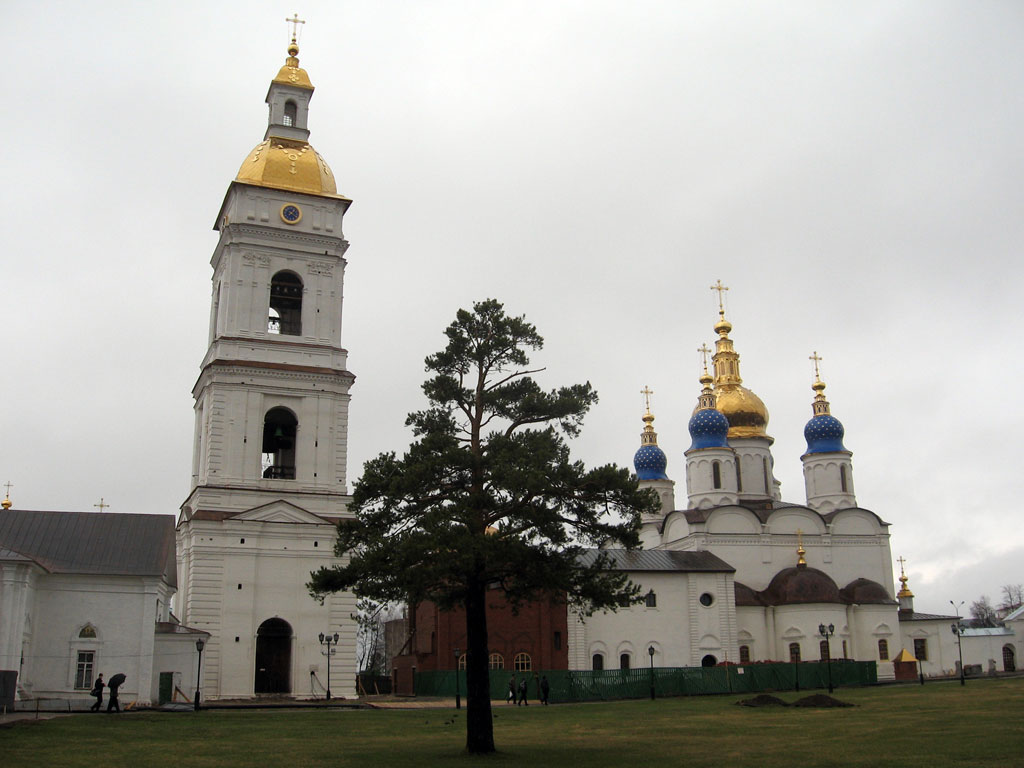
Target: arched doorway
[1009,658]
[708,661]
[273,657]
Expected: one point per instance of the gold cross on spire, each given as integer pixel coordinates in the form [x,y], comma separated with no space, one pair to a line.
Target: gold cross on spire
[816,359]
[901,561]
[102,505]
[8,485]
[647,392]
[703,349]
[295,21]
[800,551]
[6,503]
[721,289]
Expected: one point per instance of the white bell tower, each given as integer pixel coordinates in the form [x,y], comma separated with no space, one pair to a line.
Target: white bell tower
[271,424]
[271,401]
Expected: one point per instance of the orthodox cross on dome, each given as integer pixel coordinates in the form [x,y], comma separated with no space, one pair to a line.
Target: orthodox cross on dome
[295,21]
[800,551]
[647,392]
[7,486]
[704,351]
[901,561]
[814,356]
[102,505]
[721,290]
[6,503]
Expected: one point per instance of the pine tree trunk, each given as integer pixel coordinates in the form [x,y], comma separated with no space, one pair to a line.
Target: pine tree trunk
[479,726]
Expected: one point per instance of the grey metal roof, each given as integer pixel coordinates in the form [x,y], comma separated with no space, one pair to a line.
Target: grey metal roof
[915,616]
[92,542]
[659,560]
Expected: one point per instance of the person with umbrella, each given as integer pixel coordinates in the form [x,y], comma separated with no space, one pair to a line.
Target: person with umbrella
[115,682]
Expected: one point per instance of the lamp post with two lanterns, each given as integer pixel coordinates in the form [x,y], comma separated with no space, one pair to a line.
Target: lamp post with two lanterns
[328,640]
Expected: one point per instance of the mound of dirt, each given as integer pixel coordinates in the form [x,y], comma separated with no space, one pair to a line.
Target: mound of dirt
[821,700]
[763,700]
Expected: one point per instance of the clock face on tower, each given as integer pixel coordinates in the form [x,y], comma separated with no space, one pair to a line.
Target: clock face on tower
[291,213]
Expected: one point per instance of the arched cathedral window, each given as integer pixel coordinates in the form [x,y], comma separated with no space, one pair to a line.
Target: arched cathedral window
[279,430]
[794,652]
[285,315]
[716,474]
[842,477]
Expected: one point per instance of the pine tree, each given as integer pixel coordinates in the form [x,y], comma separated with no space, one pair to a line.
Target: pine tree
[487,495]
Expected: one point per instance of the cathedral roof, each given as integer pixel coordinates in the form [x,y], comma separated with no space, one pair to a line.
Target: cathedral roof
[865,592]
[658,560]
[801,584]
[91,542]
[745,596]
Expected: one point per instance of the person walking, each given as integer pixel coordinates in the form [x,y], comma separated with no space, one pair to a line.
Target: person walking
[512,690]
[522,691]
[115,682]
[97,691]
[545,689]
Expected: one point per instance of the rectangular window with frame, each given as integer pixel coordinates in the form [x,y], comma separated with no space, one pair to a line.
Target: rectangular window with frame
[83,670]
[921,649]
[558,641]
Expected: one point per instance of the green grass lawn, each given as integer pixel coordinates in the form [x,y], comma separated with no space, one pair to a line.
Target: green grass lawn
[939,724]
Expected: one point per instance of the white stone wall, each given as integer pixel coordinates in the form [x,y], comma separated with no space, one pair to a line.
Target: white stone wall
[681,629]
[231,586]
[122,610]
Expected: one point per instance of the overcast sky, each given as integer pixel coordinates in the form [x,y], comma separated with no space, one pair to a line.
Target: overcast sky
[852,171]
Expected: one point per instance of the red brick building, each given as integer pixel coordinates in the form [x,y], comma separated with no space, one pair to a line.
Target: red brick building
[535,638]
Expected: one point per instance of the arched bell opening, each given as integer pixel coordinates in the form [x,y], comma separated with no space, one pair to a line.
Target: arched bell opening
[285,315]
[279,431]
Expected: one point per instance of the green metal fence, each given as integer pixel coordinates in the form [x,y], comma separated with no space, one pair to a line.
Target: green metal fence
[585,685]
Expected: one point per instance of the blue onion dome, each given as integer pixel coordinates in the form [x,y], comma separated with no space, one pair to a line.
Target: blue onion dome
[709,428]
[824,432]
[650,461]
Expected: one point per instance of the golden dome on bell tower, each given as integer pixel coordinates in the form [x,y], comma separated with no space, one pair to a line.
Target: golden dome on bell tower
[285,159]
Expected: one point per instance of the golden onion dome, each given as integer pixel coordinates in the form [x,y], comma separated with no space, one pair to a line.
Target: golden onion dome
[747,414]
[288,164]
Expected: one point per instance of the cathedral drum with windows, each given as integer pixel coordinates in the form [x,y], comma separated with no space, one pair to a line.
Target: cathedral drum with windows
[271,421]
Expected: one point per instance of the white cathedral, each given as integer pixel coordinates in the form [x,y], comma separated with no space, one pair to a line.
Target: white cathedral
[736,574]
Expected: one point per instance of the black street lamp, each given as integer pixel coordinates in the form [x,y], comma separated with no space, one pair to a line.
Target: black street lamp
[458,696]
[327,640]
[650,652]
[199,666]
[958,630]
[827,632]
